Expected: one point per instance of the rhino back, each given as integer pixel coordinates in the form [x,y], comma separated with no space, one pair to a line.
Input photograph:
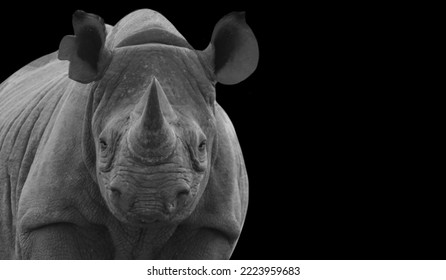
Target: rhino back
[29,102]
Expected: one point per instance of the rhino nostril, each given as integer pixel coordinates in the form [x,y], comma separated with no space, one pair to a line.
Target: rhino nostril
[178,201]
[182,193]
[171,206]
[182,196]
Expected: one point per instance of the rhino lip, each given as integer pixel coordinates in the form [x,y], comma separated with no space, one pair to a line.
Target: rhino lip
[139,219]
[145,221]
[147,217]
[150,221]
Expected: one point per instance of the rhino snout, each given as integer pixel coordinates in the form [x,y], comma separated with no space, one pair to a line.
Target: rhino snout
[136,206]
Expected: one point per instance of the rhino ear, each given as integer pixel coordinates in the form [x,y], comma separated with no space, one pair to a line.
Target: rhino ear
[86,50]
[233,51]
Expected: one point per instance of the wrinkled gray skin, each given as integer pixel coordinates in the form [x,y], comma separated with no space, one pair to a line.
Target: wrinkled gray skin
[128,157]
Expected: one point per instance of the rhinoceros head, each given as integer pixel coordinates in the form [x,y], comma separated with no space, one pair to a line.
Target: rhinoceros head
[150,129]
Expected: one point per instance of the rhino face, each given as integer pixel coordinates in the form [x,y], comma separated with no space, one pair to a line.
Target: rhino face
[153,131]
[149,129]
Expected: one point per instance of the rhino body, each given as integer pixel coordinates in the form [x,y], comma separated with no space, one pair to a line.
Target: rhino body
[100,152]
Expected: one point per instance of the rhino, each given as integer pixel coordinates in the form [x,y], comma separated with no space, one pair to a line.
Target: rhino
[114,146]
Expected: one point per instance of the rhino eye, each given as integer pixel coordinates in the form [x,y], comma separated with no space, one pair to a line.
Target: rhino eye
[102,144]
[202,146]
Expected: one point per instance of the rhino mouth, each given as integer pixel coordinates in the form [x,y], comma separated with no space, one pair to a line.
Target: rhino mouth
[142,218]
[154,207]
[142,221]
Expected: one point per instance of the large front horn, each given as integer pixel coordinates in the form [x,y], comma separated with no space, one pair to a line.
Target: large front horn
[151,136]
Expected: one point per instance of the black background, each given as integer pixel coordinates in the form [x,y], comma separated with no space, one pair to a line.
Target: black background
[333,170]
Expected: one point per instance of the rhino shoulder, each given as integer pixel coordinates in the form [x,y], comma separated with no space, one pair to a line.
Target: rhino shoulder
[34,65]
